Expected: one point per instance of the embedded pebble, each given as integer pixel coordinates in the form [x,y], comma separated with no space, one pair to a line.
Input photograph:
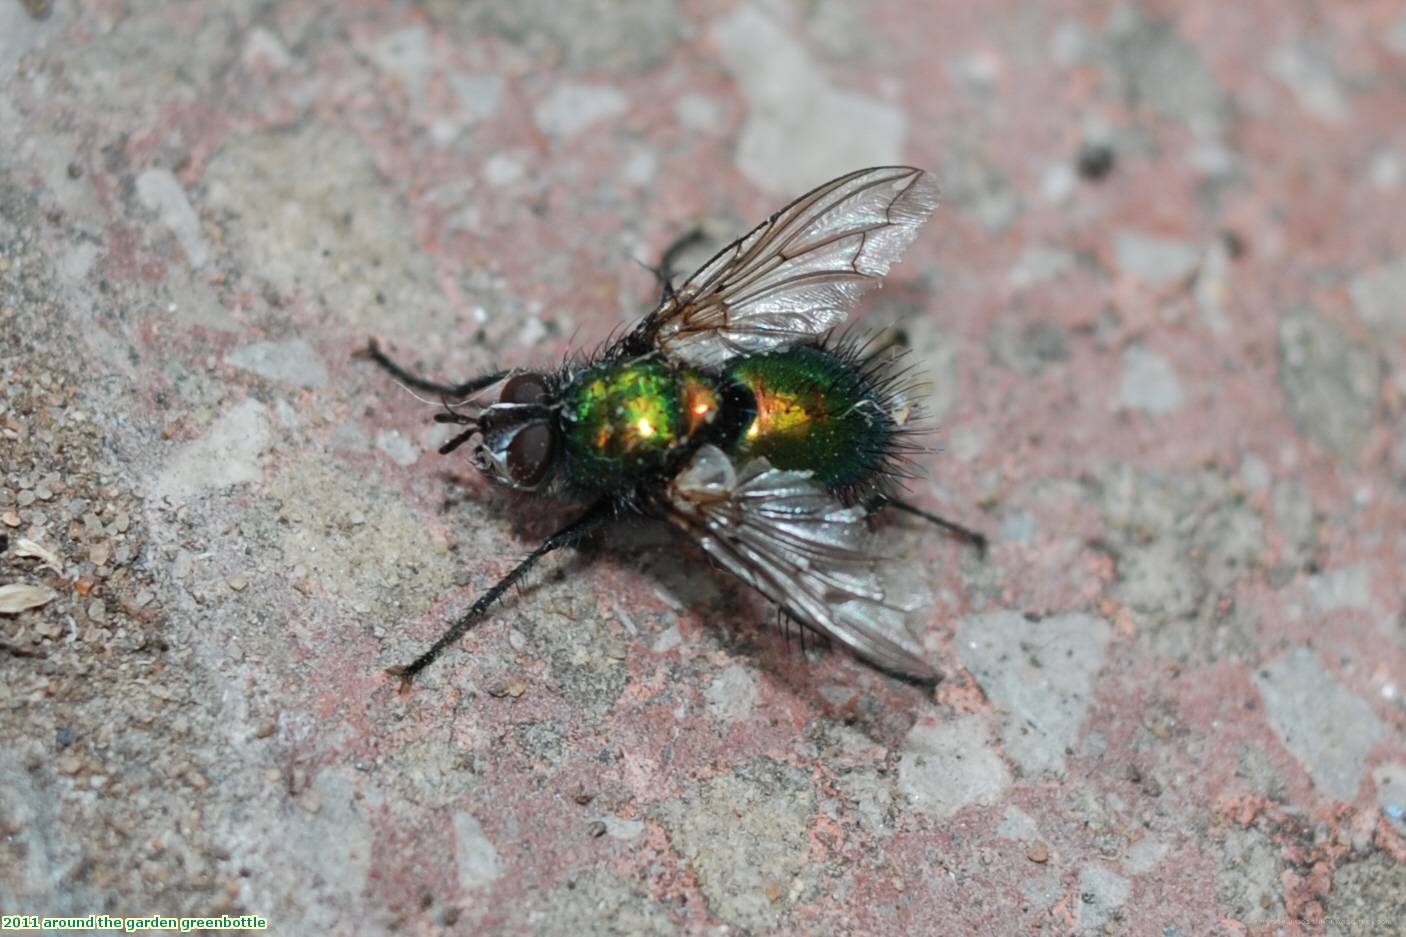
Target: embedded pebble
[476,859]
[946,767]
[1150,383]
[1157,261]
[571,108]
[1331,382]
[1329,729]
[227,454]
[1379,296]
[290,362]
[798,124]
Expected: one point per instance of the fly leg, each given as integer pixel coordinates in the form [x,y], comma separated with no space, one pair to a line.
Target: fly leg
[665,271]
[975,538]
[596,516]
[785,620]
[372,352]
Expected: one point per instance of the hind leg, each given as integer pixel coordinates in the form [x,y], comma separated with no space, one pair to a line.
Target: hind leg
[973,537]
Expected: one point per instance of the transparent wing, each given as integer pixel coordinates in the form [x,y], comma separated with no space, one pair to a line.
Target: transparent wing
[785,535]
[797,274]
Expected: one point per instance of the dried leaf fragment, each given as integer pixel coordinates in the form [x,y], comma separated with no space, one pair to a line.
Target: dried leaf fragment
[25,547]
[16,597]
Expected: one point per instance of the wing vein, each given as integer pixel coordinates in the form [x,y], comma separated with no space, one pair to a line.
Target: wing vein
[795,275]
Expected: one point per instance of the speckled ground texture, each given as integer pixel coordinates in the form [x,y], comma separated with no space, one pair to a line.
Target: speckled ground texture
[1163,314]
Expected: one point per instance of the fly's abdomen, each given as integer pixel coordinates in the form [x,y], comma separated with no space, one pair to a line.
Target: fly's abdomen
[622,420]
[814,412]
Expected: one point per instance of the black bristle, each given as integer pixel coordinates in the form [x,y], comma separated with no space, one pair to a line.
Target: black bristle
[882,363]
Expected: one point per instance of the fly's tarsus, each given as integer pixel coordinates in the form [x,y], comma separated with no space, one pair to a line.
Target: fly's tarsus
[668,262]
[973,537]
[372,352]
[667,268]
[594,517]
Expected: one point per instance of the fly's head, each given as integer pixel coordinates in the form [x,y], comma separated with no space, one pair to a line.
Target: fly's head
[518,434]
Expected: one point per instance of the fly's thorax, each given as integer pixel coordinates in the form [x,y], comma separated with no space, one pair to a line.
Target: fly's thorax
[816,412]
[624,419]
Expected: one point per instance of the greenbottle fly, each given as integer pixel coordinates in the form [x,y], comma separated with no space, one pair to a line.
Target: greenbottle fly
[731,413]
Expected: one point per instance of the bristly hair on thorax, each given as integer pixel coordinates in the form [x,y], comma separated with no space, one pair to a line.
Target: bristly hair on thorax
[883,363]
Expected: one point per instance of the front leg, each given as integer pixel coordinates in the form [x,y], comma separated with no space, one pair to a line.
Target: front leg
[594,517]
[372,352]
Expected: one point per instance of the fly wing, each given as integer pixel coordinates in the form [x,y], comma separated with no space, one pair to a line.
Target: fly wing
[797,274]
[785,535]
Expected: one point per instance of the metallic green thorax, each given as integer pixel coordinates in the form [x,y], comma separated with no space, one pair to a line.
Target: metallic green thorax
[814,411]
[623,419]
[803,408]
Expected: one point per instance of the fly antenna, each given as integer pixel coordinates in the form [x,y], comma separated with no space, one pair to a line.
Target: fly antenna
[451,415]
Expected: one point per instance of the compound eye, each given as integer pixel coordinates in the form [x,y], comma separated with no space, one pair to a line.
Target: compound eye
[524,388]
[530,454]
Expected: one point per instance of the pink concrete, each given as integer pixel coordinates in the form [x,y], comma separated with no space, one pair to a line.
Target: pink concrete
[1174,394]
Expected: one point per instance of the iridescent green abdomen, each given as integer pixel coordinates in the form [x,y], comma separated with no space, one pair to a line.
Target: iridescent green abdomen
[814,411]
[624,419]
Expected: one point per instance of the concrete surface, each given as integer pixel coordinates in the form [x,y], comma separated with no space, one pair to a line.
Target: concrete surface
[1163,311]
